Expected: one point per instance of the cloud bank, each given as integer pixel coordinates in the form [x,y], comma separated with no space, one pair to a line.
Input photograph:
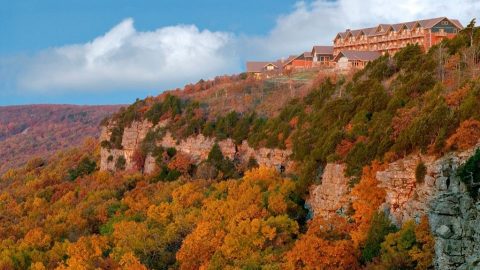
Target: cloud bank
[125,58]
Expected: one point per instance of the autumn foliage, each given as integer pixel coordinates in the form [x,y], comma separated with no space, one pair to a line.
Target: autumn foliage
[326,245]
[368,198]
[466,136]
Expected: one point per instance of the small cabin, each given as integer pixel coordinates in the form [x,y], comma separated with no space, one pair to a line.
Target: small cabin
[346,60]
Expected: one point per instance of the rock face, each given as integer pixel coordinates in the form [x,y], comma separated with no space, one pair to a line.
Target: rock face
[197,147]
[331,196]
[454,217]
[406,199]
[455,223]
[131,139]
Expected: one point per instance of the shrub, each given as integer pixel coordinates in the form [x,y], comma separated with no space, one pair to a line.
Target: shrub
[116,138]
[171,151]
[252,163]
[166,175]
[106,144]
[120,163]
[379,228]
[469,174]
[410,248]
[420,172]
[467,135]
[171,104]
[215,157]
[181,162]
[85,167]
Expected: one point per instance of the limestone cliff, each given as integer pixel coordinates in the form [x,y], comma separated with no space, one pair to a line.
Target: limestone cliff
[454,217]
[131,139]
[331,196]
[197,147]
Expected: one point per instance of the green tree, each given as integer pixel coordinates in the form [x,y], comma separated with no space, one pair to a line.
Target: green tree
[380,227]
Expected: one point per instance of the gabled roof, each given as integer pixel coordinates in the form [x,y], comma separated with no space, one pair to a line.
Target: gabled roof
[259,66]
[306,54]
[358,55]
[457,23]
[383,28]
[432,22]
[291,58]
[322,50]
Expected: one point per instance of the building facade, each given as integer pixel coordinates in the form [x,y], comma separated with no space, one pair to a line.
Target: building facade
[390,38]
[348,60]
[303,61]
[322,55]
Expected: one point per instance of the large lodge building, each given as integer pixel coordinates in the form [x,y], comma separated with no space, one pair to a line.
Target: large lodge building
[355,48]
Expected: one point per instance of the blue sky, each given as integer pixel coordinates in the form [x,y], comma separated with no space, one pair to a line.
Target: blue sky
[59,22]
[113,51]
[30,26]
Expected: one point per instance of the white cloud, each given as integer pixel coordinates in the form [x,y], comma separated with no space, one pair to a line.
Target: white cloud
[317,22]
[125,58]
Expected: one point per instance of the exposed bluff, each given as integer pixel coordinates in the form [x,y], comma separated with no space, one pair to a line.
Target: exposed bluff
[196,147]
[453,215]
[332,196]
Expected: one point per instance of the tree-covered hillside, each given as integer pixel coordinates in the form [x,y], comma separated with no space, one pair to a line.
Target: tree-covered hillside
[63,213]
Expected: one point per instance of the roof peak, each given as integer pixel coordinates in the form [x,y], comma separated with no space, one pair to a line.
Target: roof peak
[427,23]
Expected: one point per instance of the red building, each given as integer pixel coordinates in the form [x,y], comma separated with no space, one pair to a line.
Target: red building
[303,61]
[390,38]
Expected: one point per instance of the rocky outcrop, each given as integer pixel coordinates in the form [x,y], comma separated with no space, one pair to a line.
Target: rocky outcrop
[197,147]
[331,196]
[133,135]
[405,198]
[455,223]
[408,199]
[454,217]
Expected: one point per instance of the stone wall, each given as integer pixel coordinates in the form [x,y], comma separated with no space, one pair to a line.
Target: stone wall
[332,195]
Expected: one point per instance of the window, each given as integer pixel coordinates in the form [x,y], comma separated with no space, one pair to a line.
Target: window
[444,22]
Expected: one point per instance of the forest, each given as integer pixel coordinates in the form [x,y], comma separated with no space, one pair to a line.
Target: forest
[61,212]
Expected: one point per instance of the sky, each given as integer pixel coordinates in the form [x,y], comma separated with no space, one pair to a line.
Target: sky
[114,51]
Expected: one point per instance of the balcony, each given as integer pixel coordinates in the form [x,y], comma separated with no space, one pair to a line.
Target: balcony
[440,34]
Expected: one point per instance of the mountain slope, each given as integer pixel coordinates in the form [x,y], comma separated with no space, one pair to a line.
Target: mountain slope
[396,140]
[41,130]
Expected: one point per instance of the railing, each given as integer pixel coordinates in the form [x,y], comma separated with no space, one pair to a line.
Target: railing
[440,34]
